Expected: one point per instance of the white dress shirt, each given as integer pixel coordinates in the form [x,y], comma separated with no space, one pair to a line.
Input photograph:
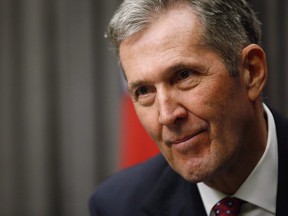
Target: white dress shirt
[259,190]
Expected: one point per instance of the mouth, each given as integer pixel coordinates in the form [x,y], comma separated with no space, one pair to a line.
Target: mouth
[185,138]
[188,143]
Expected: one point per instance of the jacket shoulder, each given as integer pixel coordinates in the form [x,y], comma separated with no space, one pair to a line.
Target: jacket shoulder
[122,193]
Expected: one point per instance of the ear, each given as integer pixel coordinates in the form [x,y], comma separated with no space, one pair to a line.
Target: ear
[254,70]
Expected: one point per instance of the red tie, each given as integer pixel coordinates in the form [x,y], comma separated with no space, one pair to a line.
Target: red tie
[228,206]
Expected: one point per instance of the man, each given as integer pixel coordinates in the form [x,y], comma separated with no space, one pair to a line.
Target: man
[195,71]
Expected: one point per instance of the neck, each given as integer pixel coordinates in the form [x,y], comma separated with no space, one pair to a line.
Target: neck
[231,178]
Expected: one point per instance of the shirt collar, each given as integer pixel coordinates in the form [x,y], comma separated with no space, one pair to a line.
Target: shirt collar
[260,188]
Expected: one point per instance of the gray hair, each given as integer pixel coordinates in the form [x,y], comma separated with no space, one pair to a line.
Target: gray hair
[228,25]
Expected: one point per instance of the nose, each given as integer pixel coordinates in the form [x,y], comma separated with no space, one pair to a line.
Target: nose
[171,111]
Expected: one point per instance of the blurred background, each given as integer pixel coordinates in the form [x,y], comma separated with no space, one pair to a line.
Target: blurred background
[65,121]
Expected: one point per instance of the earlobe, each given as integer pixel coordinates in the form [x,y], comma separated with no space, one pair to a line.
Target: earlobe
[255,70]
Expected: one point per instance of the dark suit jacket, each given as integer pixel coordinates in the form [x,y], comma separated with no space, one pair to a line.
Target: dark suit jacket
[154,189]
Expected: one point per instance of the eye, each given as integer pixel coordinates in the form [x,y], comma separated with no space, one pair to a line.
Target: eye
[187,78]
[143,90]
[184,74]
[144,95]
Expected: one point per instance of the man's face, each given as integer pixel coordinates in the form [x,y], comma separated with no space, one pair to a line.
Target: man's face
[185,98]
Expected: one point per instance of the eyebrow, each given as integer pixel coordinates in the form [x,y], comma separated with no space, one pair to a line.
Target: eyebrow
[177,67]
[168,71]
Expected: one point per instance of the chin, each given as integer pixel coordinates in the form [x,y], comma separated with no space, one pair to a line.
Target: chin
[195,177]
[195,171]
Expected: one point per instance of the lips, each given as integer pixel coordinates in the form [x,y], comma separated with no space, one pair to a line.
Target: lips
[185,138]
[189,142]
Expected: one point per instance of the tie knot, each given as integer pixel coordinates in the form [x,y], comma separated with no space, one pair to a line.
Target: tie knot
[229,206]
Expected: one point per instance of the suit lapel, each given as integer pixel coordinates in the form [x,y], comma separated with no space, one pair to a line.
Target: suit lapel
[174,196]
[282,191]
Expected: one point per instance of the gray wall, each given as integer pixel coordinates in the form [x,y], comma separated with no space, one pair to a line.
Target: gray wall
[59,96]
[59,99]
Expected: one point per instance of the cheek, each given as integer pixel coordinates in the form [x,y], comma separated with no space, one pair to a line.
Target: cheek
[149,120]
[226,115]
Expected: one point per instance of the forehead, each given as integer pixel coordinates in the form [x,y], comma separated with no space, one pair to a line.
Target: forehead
[173,36]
